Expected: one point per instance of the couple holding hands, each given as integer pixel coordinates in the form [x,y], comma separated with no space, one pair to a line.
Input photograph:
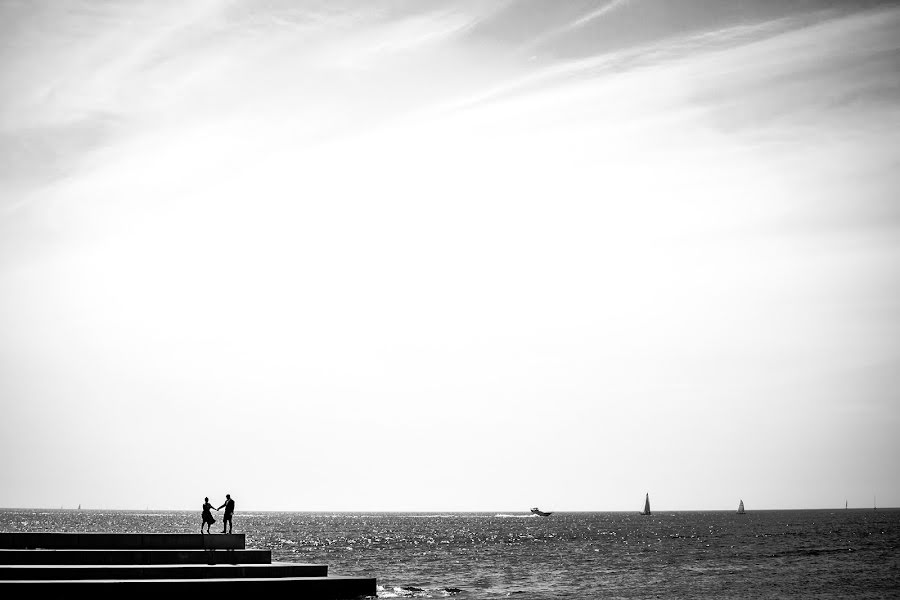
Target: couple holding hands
[208,518]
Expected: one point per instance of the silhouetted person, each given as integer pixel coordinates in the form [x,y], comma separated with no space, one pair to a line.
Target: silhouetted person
[229,510]
[207,516]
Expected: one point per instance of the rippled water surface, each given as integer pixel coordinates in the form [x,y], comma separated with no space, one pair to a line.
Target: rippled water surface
[765,554]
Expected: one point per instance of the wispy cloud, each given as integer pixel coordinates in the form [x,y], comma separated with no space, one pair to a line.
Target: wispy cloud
[562,30]
[675,52]
[83,85]
[362,47]
[596,14]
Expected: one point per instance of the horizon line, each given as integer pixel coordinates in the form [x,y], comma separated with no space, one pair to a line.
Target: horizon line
[433,511]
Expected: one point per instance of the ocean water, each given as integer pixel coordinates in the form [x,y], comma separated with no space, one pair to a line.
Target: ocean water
[763,554]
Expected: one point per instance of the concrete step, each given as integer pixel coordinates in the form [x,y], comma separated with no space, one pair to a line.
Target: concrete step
[121,541]
[134,557]
[71,572]
[317,588]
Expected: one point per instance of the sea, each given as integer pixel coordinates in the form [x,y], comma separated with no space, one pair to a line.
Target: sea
[581,555]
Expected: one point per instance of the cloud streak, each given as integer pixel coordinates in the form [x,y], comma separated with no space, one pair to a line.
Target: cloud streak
[600,12]
[557,32]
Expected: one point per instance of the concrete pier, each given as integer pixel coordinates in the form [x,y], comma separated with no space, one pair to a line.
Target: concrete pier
[109,564]
[135,557]
[8,572]
[122,541]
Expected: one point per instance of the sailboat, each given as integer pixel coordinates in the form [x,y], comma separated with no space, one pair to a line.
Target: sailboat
[741,508]
[646,510]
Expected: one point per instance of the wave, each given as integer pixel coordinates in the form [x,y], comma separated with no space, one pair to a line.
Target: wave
[411,591]
[508,516]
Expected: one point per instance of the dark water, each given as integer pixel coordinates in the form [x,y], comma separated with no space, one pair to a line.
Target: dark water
[765,554]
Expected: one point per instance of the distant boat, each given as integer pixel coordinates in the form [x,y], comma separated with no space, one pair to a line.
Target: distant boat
[646,510]
[79,507]
[540,513]
[845,505]
[741,508]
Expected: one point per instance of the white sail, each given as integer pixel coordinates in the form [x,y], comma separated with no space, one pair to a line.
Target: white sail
[741,508]
[646,510]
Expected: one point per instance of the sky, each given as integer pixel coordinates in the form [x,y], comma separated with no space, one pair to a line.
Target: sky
[451,256]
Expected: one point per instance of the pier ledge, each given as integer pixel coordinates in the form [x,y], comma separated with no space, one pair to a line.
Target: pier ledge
[107,565]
